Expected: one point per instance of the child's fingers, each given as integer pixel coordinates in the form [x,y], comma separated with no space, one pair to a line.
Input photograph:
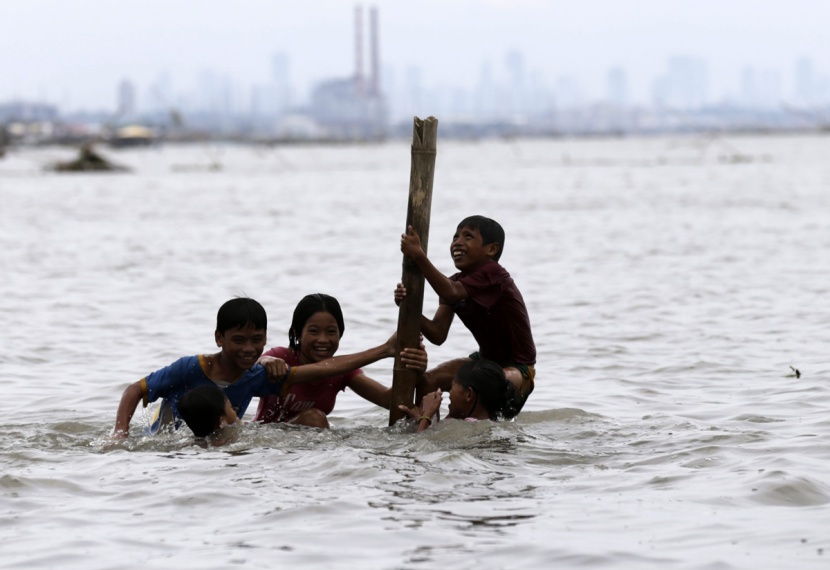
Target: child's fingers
[413,358]
[406,410]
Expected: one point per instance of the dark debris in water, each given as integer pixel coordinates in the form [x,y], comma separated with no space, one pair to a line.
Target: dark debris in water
[88,160]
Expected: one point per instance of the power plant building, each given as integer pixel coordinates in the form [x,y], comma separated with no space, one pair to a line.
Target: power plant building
[354,108]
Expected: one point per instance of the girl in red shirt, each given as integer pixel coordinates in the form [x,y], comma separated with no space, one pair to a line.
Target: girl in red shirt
[316,329]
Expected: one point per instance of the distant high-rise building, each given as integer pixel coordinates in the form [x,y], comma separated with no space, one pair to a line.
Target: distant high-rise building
[617,86]
[359,78]
[263,101]
[517,83]
[486,93]
[374,53]
[515,63]
[27,112]
[273,99]
[567,93]
[160,96]
[216,93]
[126,98]
[749,90]
[459,103]
[414,85]
[282,83]
[760,88]
[390,87]
[208,89]
[805,81]
[540,100]
[684,85]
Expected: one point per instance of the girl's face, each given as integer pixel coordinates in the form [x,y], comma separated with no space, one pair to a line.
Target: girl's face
[461,399]
[319,338]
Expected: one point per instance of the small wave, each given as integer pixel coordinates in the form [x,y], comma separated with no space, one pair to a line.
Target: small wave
[561,415]
[755,419]
[780,489]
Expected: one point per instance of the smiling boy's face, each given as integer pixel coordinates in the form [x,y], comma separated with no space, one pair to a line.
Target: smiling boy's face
[242,345]
[468,250]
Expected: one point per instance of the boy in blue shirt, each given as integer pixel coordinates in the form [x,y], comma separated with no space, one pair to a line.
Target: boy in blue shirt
[241,326]
[487,301]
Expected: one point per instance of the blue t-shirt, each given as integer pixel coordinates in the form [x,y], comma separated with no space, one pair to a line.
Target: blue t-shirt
[188,372]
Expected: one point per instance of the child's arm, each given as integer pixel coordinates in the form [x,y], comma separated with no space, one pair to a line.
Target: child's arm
[444,287]
[371,390]
[437,329]
[430,405]
[341,364]
[377,393]
[129,401]
[276,367]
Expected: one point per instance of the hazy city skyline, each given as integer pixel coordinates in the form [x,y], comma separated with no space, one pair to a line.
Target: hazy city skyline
[78,55]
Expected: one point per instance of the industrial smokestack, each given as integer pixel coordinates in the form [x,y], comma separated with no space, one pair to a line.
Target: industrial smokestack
[373,31]
[358,48]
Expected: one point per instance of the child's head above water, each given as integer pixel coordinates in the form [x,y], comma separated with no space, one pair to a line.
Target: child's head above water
[241,332]
[241,313]
[490,230]
[307,308]
[205,409]
[489,388]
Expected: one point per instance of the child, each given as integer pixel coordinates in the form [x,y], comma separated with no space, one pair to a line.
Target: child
[316,329]
[484,297]
[241,326]
[205,409]
[479,391]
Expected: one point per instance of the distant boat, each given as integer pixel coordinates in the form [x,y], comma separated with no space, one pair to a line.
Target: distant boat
[132,135]
[88,161]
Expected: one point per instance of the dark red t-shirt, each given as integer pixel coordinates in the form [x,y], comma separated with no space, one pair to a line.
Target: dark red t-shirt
[496,315]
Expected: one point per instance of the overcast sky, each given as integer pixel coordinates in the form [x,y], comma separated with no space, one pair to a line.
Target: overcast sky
[74,52]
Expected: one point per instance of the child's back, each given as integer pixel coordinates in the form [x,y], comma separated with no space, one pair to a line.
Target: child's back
[496,315]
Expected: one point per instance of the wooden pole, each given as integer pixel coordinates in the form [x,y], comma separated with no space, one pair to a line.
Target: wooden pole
[424,138]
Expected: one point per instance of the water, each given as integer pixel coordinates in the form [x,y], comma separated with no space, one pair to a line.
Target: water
[673,285]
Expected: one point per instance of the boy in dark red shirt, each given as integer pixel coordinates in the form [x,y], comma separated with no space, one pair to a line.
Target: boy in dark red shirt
[484,297]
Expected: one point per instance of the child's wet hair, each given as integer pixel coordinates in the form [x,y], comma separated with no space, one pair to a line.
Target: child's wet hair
[309,306]
[202,409]
[498,395]
[490,230]
[242,313]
